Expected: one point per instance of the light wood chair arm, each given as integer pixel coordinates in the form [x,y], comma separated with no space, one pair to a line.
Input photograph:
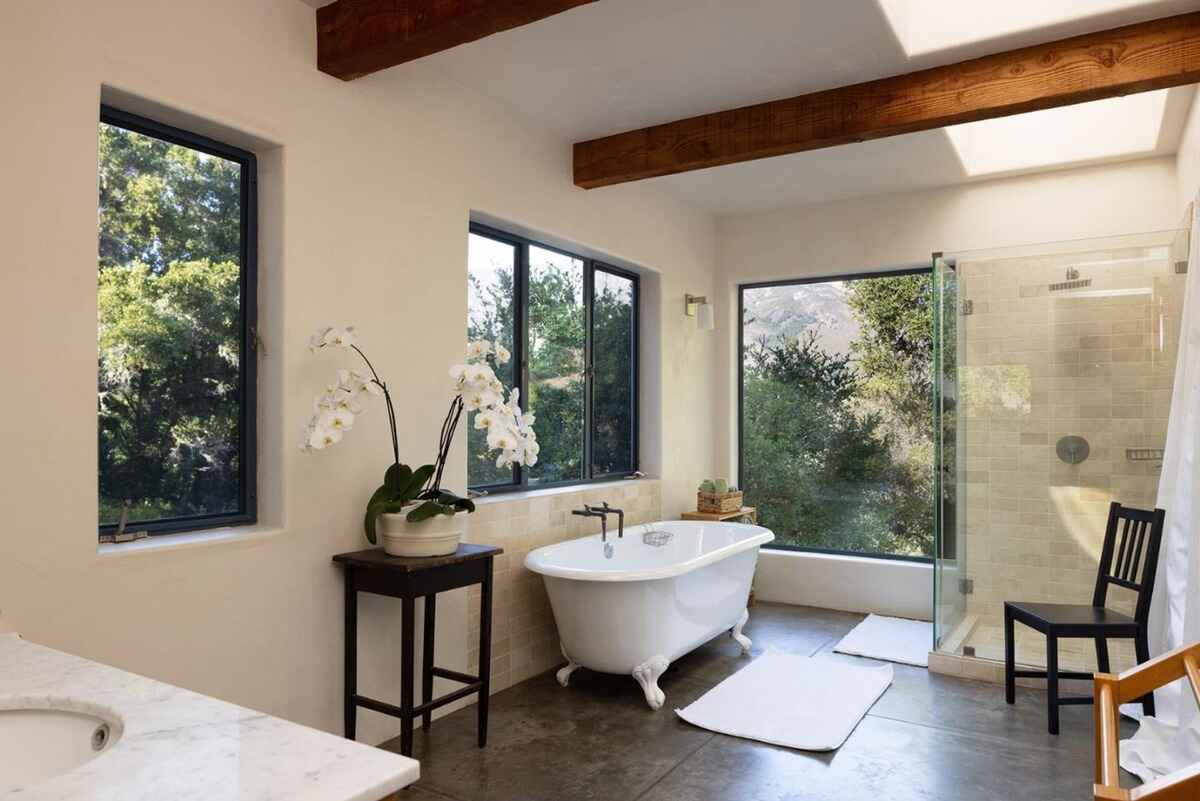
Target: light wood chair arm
[1112,691]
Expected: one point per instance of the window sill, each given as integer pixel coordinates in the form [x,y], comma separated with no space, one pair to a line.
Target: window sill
[504,497]
[187,540]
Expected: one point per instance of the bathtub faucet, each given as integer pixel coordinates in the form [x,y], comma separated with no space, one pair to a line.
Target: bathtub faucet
[602,512]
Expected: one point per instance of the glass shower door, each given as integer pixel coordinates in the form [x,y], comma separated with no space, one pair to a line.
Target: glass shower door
[950,585]
[1054,367]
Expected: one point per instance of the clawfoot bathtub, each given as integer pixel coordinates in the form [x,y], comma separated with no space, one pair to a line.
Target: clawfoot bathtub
[659,592]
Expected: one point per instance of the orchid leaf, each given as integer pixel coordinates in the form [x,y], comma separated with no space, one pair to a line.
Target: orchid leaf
[417,481]
[428,510]
[374,507]
[397,477]
[459,503]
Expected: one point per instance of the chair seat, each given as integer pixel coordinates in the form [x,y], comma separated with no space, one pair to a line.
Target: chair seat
[1070,616]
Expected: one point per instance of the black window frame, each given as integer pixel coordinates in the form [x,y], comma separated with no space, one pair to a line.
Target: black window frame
[741,394]
[591,266]
[247,513]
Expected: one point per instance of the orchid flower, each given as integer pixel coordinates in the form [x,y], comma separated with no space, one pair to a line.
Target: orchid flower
[335,409]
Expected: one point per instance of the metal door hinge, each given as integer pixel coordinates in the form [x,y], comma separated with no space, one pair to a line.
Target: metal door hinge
[966,586]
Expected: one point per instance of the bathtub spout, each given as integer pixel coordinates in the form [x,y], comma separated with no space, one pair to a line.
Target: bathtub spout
[588,511]
[620,513]
[603,511]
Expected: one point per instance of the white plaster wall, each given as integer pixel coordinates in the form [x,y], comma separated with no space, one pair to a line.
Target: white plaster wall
[1187,161]
[367,189]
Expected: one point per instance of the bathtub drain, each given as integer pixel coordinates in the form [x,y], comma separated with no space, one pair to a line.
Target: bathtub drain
[100,737]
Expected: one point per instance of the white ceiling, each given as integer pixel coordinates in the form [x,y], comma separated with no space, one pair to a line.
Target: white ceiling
[615,65]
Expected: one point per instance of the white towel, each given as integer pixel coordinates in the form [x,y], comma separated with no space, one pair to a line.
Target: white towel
[800,702]
[894,639]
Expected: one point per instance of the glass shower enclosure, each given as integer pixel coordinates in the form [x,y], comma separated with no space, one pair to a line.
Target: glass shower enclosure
[1054,368]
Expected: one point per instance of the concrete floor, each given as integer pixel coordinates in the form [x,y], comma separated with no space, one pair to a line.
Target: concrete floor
[929,737]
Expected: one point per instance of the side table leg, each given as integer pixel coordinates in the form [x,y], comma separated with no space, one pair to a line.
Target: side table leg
[430,625]
[351,656]
[485,651]
[408,632]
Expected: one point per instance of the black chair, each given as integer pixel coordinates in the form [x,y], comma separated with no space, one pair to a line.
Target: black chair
[1121,564]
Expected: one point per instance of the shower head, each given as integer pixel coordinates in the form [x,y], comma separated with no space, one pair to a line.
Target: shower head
[1072,282]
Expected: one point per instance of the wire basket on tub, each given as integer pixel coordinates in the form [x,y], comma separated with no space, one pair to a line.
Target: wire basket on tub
[719,503]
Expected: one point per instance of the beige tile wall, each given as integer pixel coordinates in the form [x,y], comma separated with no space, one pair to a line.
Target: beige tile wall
[524,639]
[1035,366]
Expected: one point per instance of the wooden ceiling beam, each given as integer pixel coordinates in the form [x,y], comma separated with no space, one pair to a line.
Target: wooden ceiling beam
[1134,58]
[358,37]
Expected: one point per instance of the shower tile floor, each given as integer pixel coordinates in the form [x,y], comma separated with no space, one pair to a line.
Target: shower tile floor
[929,737]
[1074,654]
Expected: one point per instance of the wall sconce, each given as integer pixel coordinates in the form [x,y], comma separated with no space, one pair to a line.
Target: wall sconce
[698,306]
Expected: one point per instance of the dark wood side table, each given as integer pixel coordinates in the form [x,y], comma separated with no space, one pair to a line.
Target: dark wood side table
[408,579]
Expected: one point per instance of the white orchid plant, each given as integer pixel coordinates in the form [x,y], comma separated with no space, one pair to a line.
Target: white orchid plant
[476,388]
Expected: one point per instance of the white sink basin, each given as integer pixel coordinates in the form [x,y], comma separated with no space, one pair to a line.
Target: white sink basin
[40,743]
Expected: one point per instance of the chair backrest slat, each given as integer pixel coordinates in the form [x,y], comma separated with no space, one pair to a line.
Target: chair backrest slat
[1131,562]
[1123,549]
[1131,571]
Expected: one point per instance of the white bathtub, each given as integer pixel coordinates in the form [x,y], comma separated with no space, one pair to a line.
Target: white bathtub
[634,608]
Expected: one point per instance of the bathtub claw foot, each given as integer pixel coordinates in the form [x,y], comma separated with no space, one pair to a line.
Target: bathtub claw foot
[564,673]
[742,639]
[647,675]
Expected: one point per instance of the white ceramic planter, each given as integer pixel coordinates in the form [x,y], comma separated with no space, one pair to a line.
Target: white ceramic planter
[437,536]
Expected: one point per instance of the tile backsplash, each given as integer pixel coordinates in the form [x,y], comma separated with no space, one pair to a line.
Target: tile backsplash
[524,638]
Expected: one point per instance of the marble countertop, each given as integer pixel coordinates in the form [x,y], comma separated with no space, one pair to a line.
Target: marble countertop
[176,744]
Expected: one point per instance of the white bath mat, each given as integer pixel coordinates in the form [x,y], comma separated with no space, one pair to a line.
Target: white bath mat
[893,639]
[810,703]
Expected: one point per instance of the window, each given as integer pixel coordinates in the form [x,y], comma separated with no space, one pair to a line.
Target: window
[177,268]
[571,324]
[836,412]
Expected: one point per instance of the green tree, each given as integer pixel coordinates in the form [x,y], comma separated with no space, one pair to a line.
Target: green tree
[490,317]
[556,365]
[161,203]
[838,448]
[817,471]
[894,348]
[612,360]
[555,353]
[169,328]
[893,355]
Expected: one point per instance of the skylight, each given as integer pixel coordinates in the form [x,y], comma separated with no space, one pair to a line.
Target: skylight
[925,26]
[1086,132]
